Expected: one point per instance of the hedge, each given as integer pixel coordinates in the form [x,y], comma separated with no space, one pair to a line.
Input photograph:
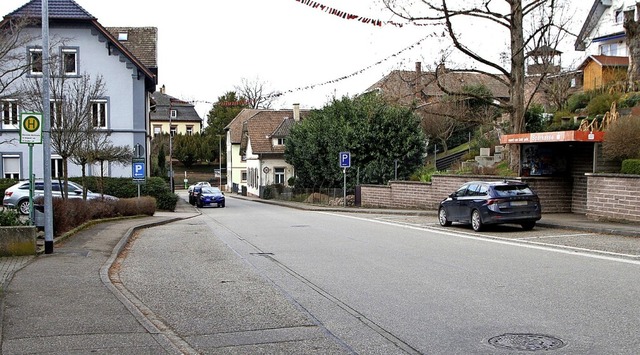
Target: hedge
[631,166]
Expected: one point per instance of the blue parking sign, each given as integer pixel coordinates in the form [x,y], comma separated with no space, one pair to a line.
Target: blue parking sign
[138,171]
[345,159]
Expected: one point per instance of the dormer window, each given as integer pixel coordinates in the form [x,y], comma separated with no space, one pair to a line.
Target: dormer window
[278,141]
[123,36]
[173,113]
[619,15]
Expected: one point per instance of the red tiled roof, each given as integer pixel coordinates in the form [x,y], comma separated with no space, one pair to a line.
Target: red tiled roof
[261,127]
[606,61]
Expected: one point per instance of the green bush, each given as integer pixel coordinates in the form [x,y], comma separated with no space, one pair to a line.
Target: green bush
[578,101]
[629,99]
[601,104]
[11,217]
[631,166]
[268,193]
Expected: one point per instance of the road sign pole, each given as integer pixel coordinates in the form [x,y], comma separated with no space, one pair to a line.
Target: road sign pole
[344,187]
[31,187]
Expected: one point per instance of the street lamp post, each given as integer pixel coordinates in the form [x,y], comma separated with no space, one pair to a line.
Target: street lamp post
[220,159]
[170,150]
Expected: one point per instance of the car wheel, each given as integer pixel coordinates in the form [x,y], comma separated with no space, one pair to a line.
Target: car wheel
[528,225]
[442,217]
[199,204]
[23,207]
[476,221]
[222,205]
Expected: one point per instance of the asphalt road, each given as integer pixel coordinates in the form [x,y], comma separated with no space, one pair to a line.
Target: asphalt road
[254,278]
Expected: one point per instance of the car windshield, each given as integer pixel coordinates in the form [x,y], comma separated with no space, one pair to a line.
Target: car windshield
[512,190]
[210,190]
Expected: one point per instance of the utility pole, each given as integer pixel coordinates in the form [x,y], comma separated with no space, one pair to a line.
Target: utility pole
[46,132]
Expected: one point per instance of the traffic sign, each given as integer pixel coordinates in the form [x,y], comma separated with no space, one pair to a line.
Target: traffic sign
[31,128]
[345,159]
[138,170]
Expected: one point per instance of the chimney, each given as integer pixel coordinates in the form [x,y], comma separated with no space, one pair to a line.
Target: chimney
[162,89]
[296,112]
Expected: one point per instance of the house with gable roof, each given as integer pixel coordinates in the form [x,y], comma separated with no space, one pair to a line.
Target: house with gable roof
[172,115]
[258,160]
[86,47]
[603,39]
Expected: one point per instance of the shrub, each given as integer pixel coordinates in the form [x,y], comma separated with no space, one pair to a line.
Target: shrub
[601,104]
[620,134]
[631,166]
[629,99]
[578,101]
[155,187]
[167,201]
[145,205]
[11,217]
[268,193]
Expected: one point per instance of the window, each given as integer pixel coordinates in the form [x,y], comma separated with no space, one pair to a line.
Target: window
[157,129]
[9,113]
[573,82]
[612,49]
[619,15]
[243,175]
[173,113]
[56,167]
[35,61]
[11,167]
[100,169]
[173,130]
[189,130]
[99,114]
[279,175]
[70,61]
[123,36]
[279,141]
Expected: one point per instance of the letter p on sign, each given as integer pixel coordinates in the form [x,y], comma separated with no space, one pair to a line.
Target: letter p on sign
[345,159]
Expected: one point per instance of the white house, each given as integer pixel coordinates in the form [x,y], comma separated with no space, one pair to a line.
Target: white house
[603,32]
[257,159]
[81,45]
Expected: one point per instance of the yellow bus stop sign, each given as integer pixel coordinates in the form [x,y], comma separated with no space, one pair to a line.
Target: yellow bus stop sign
[31,128]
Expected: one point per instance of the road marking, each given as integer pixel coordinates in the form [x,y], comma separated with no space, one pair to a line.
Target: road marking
[558,236]
[584,252]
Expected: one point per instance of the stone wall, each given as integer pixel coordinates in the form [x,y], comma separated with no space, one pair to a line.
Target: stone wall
[17,241]
[613,197]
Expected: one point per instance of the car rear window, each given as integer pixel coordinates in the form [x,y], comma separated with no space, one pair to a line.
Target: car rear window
[512,190]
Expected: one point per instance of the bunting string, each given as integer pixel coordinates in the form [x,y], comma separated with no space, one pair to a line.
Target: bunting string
[310,87]
[348,16]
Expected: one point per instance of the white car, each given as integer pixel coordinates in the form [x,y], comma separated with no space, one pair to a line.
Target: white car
[17,196]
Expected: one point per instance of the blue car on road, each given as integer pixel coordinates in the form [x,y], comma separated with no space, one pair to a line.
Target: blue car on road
[207,196]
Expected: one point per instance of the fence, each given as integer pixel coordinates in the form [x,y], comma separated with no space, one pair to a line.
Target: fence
[316,196]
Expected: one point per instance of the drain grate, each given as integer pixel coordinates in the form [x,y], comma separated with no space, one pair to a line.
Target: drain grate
[528,342]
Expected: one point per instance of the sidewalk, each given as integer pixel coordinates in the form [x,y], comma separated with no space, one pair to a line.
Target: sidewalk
[65,302]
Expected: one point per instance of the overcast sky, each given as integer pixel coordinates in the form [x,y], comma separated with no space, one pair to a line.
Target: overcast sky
[206,47]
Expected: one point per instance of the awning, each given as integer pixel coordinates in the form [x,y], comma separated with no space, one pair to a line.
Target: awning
[609,37]
[552,137]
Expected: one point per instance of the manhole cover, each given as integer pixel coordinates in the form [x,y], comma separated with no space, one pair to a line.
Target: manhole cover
[529,342]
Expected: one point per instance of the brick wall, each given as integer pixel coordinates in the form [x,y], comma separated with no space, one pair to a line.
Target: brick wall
[613,197]
[554,193]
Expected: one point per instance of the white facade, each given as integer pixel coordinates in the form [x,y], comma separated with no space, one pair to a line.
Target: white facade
[604,32]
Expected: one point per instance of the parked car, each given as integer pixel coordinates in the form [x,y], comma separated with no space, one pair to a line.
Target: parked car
[17,196]
[481,203]
[207,195]
[191,193]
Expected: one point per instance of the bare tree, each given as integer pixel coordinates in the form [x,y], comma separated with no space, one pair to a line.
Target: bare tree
[73,108]
[14,64]
[256,93]
[512,16]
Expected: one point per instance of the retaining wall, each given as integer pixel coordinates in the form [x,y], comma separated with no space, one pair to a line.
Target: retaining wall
[17,241]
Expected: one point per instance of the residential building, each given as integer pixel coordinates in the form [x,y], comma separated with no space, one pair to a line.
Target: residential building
[236,162]
[82,47]
[172,115]
[603,32]
[255,149]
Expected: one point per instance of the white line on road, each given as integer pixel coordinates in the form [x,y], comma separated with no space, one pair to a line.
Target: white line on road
[584,252]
